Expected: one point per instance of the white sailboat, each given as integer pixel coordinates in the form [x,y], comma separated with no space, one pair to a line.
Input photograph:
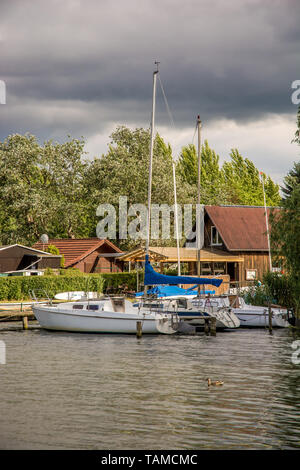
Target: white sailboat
[111,315]
[107,315]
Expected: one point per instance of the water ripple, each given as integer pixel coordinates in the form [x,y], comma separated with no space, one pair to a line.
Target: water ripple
[73,391]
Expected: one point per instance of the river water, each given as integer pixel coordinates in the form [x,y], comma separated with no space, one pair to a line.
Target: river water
[87,391]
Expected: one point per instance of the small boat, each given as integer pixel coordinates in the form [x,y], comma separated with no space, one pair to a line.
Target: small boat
[255,316]
[194,310]
[76,295]
[106,315]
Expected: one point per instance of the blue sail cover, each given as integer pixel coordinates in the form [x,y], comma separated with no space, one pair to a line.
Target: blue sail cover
[167,291]
[153,278]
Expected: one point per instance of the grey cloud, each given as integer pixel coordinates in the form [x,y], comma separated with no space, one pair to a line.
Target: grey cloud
[74,66]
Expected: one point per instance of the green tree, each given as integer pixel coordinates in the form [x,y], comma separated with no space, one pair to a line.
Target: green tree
[291,180]
[242,177]
[212,184]
[285,238]
[236,182]
[285,233]
[41,189]
[123,171]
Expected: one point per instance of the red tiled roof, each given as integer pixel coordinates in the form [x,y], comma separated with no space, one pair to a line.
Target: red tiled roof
[242,228]
[74,250]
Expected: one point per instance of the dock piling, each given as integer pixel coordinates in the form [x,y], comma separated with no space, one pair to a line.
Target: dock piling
[138,329]
[270,318]
[213,326]
[206,326]
[25,323]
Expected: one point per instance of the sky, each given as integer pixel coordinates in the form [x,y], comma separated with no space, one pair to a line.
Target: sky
[81,68]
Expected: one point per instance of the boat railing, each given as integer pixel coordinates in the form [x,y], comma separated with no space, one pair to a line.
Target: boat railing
[38,295]
[159,305]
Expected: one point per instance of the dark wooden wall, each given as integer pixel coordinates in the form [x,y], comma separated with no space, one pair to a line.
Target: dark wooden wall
[12,259]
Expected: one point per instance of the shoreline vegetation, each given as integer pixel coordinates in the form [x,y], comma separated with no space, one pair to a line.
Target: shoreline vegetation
[20,288]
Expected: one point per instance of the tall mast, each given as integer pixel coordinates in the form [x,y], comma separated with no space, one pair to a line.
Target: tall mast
[198,222]
[150,163]
[174,183]
[267,222]
[176,218]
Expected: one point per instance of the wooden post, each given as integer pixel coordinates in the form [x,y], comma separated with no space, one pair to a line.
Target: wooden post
[213,326]
[206,326]
[138,329]
[270,317]
[25,323]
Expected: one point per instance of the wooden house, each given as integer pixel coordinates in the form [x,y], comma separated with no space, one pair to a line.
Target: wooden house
[19,257]
[239,231]
[89,255]
[235,245]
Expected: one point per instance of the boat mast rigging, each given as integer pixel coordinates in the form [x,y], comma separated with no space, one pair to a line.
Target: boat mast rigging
[150,164]
[198,212]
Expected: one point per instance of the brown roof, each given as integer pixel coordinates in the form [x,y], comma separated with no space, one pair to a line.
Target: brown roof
[242,228]
[74,250]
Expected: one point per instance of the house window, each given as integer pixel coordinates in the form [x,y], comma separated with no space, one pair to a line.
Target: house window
[215,237]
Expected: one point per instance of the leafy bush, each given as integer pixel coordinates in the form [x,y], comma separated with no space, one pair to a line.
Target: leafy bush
[55,251]
[276,289]
[71,272]
[279,287]
[256,295]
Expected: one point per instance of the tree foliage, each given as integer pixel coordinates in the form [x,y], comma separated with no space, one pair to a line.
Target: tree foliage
[41,189]
[236,182]
[53,188]
[285,233]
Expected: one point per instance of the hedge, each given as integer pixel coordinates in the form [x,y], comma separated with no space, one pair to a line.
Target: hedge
[19,288]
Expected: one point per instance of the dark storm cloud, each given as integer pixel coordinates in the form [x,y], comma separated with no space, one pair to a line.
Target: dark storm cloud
[72,66]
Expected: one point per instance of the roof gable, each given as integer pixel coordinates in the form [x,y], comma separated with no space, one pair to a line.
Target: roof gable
[242,228]
[74,250]
[30,249]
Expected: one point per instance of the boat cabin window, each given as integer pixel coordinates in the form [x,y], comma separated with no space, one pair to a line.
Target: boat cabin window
[92,307]
[78,307]
[182,303]
[152,305]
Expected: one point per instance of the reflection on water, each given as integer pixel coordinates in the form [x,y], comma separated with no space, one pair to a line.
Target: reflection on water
[78,391]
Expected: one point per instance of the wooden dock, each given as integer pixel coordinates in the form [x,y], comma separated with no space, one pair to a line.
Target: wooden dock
[17,316]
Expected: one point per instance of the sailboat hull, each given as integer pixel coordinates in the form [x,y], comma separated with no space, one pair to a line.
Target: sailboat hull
[59,318]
